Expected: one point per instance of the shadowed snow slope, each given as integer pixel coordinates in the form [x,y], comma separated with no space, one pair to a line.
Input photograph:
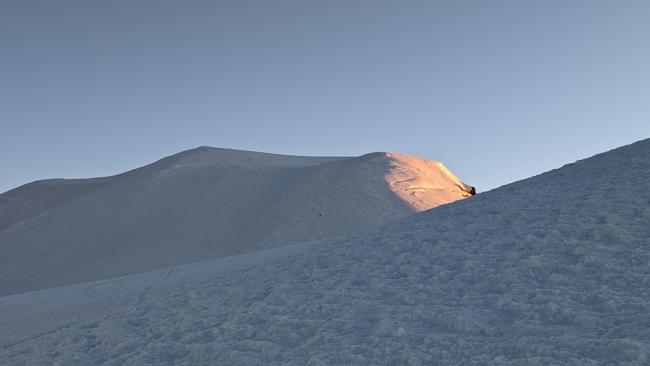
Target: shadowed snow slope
[552,270]
[203,204]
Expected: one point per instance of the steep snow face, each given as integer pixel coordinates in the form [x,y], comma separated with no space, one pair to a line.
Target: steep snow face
[424,184]
[552,270]
[201,204]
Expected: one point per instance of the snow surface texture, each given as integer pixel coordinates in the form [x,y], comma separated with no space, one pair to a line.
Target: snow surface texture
[552,270]
[201,204]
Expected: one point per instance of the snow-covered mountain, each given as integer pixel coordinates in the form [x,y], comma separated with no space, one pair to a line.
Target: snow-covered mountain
[552,270]
[201,204]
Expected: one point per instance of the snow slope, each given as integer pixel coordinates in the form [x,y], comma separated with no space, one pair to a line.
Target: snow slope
[552,270]
[200,204]
[35,198]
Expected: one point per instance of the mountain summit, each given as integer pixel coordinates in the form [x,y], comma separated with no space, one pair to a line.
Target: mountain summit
[200,204]
[551,270]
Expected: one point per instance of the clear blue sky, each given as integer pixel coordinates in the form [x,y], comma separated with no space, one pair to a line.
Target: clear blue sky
[497,90]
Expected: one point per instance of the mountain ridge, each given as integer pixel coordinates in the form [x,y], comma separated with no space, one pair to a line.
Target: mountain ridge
[198,204]
[549,270]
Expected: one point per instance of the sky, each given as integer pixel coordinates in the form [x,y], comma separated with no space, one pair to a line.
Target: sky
[496,90]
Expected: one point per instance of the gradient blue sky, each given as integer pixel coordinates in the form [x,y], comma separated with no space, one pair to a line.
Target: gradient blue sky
[497,90]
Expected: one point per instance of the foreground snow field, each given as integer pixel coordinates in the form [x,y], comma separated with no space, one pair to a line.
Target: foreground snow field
[552,270]
[201,204]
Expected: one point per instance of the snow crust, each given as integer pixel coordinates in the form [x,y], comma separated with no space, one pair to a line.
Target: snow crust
[200,204]
[552,270]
